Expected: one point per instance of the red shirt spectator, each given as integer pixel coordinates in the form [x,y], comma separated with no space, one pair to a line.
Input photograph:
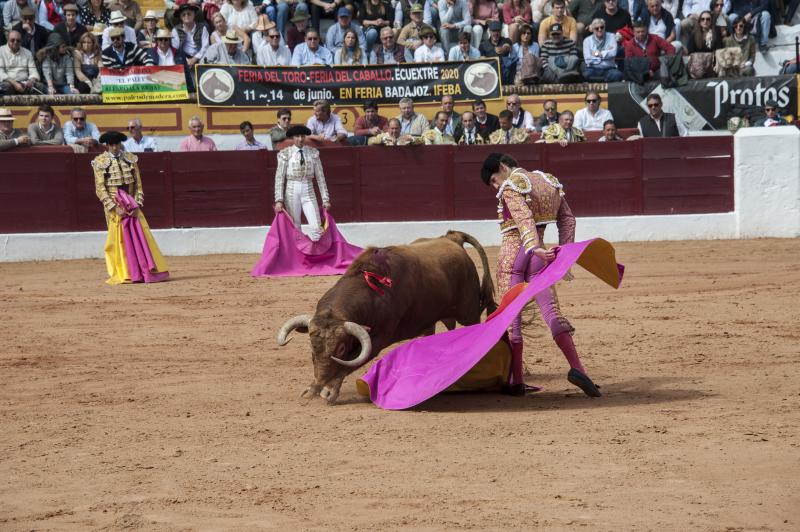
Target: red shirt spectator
[646,45]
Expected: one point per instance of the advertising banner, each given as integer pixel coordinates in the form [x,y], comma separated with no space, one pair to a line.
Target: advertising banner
[143,84]
[705,103]
[254,86]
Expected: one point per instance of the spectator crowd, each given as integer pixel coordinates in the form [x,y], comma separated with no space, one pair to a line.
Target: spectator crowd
[58,47]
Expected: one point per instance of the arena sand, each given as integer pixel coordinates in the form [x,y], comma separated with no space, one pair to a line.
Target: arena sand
[170,407]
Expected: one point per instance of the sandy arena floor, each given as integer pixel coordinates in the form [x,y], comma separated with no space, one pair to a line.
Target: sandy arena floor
[170,407]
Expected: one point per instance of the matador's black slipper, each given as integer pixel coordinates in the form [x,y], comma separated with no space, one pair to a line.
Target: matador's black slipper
[584,383]
[515,390]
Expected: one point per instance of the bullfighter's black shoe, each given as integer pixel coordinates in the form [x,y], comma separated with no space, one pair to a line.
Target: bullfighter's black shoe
[584,383]
[515,390]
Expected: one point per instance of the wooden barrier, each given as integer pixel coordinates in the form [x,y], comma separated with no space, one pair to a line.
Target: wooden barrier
[53,190]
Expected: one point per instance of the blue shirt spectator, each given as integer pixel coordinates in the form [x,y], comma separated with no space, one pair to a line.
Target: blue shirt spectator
[79,131]
[334,39]
[315,54]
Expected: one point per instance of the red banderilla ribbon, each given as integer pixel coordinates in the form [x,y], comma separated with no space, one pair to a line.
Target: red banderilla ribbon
[369,276]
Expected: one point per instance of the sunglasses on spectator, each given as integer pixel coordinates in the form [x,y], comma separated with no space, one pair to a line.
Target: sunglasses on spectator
[312,38]
[653,105]
[549,109]
[592,100]
[14,40]
[132,128]
[274,36]
[512,104]
[706,18]
[79,118]
[599,28]
[429,37]
[770,109]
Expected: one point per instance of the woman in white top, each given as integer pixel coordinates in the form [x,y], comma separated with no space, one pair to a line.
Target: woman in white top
[350,53]
[221,28]
[240,14]
[428,51]
[527,44]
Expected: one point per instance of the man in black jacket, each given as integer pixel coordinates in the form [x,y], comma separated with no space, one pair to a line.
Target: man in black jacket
[123,54]
[34,36]
[658,123]
[70,29]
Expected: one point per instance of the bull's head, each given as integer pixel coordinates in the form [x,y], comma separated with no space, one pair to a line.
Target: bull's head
[332,341]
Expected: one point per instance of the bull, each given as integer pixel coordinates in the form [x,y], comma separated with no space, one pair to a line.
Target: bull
[388,295]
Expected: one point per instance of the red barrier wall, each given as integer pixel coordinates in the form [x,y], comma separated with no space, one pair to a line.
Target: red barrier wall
[54,191]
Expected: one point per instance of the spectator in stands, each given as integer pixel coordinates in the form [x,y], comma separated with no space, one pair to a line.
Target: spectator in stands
[592,117]
[351,52]
[508,134]
[648,46]
[164,54]
[559,58]
[138,143]
[705,39]
[756,14]
[296,33]
[469,134]
[402,14]
[515,14]
[197,141]
[526,52]
[453,126]
[278,12]
[549,116]
[483,13]
[58,66]
[498,46]
[393,136]
[690,17]
[278,132]
[240,14]
[368,125]
[44,131]
[249,143]
[273,53]
[374,15]
[658,123]
[311,52]
[567,24]
[661,23]
[18,74]
[146,37]
[485,123]
[221,29]
[12,12]
[436,134]
[609,132]
[87,60]
[771,116]
[430,14]
[118,21]
[389,51]
[741,39]
[123,54]
[455,18]
[584,13]
[520,118]
[409,36]
[94,12]
[49,13]
[411,122]
[329,9]
[614,17]
[79,132]
[600,53]
[70,29]
[228,52]
[720,19]
[464,51]
[428,52]
[564,132]
[324,125]
[34,36]
[334,38]
[11,137]
[132,12]
[188,37]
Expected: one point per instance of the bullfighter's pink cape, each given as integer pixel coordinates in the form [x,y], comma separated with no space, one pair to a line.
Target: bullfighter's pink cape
[423,367]
[288,252]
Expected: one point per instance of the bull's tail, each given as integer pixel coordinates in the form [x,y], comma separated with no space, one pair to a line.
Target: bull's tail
[487,285]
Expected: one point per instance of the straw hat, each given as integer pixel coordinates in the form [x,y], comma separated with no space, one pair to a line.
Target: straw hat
[264,24]
[70,7]
[163,34]
[98,29]
[151,14]
[27,12]
[231,37]
[117,17]
[6,115]
[116,32]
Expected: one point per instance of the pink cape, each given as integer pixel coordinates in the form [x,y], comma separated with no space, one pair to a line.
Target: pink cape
[423,367]
[290,253]
[141,265]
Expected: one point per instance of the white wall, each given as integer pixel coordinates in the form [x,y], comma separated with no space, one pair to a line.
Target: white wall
[767,204]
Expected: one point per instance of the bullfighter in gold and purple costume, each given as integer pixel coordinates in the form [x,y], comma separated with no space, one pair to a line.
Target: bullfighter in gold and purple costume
[527,202]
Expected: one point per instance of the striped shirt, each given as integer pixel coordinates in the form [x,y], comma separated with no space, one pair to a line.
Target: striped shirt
[551,48]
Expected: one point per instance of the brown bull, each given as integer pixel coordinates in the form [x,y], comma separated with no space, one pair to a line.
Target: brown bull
[427,281]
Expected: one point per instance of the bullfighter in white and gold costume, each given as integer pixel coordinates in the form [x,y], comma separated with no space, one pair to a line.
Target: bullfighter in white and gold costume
[298,166]
[131,251]
[527,202]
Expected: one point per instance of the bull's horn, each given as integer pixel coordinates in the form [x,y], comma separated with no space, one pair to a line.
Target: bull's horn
[298,321]
[363,338]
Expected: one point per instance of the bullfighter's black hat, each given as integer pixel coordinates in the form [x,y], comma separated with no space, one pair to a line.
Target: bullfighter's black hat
[113,137]
[490,166]
[297,130]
